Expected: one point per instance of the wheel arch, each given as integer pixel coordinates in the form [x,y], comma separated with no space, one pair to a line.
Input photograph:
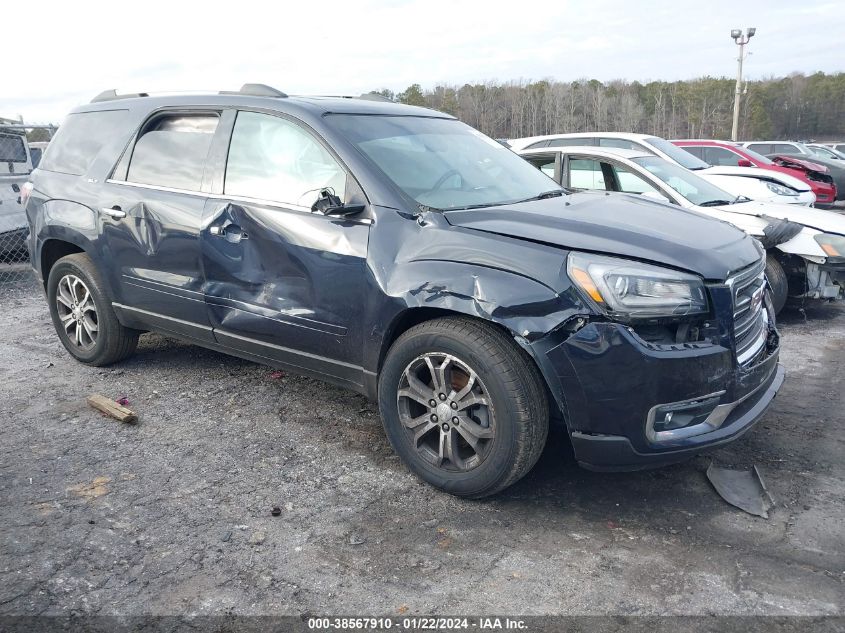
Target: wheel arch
[51,251]
[524,308]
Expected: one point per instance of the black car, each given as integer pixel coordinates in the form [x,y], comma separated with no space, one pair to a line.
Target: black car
[402,254]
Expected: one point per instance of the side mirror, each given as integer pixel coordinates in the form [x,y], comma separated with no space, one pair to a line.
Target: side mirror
[329,204]
[744,162]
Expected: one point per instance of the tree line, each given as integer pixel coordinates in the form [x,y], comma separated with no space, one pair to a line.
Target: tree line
[797,107]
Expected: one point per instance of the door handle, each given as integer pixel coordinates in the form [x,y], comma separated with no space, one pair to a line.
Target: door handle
[230,232]
[114,212]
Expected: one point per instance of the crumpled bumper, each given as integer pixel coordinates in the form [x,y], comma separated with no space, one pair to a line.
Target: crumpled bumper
[609,382]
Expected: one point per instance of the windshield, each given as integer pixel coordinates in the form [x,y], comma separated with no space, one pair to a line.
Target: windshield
[693,188]
[12,149]
[677,154]
[758,157]
[442,163]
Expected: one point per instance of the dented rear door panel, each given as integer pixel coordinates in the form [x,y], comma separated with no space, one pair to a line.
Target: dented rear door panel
[155,255]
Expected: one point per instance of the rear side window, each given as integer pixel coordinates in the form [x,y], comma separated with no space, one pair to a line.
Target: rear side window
[785,148]
[621,143]
[721,157]
[79,139]
[171,151]
[570,142]
[12,149]
[695,150]
[763,148]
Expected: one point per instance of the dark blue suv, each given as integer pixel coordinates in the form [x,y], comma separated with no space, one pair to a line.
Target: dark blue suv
[400,253]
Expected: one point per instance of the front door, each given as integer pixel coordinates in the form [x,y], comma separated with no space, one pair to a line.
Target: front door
[282,282]
[151,213]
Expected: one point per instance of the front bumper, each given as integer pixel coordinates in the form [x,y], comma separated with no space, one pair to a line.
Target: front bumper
[608,382]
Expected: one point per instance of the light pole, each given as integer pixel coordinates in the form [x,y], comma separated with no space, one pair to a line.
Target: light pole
[742,39]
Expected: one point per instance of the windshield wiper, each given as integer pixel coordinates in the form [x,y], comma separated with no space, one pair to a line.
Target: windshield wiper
[740,199]
[554,193]
[715,203]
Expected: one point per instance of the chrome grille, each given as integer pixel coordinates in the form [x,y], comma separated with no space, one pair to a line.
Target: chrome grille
[750,318]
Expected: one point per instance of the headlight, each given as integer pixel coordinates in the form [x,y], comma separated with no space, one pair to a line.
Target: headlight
[625,287]
[780,189]
[833,245]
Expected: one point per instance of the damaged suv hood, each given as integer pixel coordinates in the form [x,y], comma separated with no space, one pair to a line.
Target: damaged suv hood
[621,225]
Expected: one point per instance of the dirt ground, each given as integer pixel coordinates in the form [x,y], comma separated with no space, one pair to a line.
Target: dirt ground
[173,515]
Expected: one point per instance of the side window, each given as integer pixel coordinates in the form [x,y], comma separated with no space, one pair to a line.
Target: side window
[537,144]
[545,163]
[12,149]
[784,148]
[762,148]
[171,151]
[271,158]
[35,155]
[695,150]
[620,143]
[629,182]
[585,173]
[80,138]
[570,142]
[721,156]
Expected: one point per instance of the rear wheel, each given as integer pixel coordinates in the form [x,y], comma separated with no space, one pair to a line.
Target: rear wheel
[776,277]
[463,406]
[82,313]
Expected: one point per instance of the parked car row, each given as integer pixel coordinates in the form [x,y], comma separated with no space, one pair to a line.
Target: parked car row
[395,251]
[727,154]
[749,182]
[798,239]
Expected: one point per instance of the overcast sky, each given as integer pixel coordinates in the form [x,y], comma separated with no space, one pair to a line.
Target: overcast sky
[61,54]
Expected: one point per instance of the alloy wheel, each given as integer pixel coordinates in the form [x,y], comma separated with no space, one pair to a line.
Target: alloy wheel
[77,312]
[446,412]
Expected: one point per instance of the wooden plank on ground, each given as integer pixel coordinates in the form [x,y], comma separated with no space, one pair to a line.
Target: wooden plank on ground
[111,408]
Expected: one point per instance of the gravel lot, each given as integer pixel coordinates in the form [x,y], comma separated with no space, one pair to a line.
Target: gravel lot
[173,515]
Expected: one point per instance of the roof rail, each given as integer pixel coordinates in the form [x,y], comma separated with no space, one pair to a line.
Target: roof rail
[110,95]
[256,90]
[374,96]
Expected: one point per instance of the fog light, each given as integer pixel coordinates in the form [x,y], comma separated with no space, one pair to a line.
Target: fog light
[680,419]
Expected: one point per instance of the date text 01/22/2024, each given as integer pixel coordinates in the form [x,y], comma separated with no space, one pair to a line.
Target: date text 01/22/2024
[415,623]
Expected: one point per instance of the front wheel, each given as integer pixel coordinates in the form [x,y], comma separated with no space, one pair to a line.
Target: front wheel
[463,406]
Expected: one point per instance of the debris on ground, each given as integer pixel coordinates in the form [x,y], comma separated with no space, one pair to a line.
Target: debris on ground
[122,401]
[742,488]
[112,408]
[278,374]
[276,511]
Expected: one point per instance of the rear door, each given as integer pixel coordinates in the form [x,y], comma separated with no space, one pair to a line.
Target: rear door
[283,282]
[151,212]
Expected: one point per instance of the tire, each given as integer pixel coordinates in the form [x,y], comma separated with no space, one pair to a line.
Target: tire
[777,282]
[508,433]
[102,339]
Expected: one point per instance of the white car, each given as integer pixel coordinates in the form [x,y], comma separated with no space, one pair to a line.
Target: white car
[823,151]
[751,182]
[806,247]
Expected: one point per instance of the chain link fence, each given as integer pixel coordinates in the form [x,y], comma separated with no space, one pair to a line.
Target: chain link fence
[14,257]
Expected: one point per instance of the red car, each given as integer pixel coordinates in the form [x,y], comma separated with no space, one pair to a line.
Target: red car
[727,153]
